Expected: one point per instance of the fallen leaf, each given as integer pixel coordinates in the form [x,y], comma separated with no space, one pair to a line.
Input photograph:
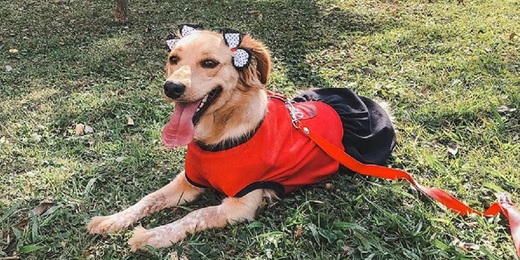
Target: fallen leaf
[89,129]
[36,137]
[368,71]
[453,149]
[11,242]
[90,184]
[42,208]
[13,51]
[8,68]
[130,122]
[455,82]
[22,223]
[347,250]
[472,224]
[504,108]
[511,36]
[175,256]
[468,246]
[3,140]
[464,245]
[329,186]
[80,129]
[298,232]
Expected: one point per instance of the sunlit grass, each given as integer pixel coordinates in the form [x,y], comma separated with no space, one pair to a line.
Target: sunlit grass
[449,69]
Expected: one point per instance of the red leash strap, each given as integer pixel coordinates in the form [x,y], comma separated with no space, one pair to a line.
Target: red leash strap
[503,205]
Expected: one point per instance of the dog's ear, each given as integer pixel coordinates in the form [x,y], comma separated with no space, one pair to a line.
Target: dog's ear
[261,55]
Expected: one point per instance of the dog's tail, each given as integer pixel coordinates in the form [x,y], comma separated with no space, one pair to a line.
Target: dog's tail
[387,109]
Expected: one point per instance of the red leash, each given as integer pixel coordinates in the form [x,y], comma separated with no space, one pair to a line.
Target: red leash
[503,205]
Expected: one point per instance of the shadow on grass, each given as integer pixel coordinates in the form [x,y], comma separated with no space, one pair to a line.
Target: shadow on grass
[91,53]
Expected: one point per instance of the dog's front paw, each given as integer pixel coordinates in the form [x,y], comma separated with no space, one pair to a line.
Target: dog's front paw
[106,224]
[153,237]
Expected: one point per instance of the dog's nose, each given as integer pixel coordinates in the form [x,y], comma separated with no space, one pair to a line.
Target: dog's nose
[174,89]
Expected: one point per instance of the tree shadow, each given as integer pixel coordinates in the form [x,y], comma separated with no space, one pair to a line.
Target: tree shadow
[102,51]
[293,30]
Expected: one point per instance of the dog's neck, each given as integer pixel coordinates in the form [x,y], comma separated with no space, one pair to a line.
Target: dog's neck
[235,123]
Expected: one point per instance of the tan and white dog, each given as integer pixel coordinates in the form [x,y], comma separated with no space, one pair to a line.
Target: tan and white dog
[217,83]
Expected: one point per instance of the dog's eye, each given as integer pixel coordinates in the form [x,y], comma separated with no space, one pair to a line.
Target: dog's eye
[209,64]
[174,60]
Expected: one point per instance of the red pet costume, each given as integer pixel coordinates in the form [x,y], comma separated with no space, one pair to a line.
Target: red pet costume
[277,156]
[281,158]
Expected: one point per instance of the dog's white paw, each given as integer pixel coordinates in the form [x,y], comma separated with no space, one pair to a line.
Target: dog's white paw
[153,237]
[106,224]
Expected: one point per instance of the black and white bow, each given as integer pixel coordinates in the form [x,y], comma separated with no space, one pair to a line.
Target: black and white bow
[184,30]
[241,56]
[232,38]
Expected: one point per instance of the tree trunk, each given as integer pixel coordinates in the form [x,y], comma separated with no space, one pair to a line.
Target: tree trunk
[121,14]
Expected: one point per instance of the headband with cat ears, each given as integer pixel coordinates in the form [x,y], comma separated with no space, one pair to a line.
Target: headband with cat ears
[232,38]
[184,30]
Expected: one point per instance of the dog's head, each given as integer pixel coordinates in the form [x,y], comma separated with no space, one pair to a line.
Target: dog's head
[204,71]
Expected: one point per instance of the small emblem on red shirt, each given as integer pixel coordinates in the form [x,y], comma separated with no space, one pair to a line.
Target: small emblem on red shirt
[305,110]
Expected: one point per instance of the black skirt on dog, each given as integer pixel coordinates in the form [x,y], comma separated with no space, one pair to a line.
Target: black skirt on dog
[369,135]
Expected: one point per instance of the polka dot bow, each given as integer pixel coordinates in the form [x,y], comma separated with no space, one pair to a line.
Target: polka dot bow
[233,39]
[242,56]
[184,30]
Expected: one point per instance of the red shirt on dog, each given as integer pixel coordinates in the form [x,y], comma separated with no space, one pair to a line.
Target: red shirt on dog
[276,157]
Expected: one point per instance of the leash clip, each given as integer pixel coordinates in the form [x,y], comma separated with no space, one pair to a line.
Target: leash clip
[295,117]
[293,113]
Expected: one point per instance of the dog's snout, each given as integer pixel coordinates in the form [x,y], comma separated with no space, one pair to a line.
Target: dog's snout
[174,89]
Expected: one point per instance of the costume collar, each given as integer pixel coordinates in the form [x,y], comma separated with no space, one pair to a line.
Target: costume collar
[228,144]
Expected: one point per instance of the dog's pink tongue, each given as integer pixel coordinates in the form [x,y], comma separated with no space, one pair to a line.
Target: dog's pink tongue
[180,130]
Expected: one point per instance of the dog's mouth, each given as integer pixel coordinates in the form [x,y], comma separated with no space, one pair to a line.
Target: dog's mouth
[180,130]
[205,103]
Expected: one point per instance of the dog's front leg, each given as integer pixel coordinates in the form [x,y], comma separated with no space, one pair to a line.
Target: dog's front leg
[177,192]
[232,210]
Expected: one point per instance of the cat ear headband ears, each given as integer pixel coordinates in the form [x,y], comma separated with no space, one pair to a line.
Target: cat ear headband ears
[232,38]
[184,30]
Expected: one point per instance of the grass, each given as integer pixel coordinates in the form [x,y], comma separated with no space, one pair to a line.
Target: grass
[450,70]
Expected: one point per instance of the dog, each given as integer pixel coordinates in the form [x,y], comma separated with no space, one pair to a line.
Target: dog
[240,137]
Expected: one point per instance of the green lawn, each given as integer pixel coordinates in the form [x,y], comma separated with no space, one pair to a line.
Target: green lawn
[449,69]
